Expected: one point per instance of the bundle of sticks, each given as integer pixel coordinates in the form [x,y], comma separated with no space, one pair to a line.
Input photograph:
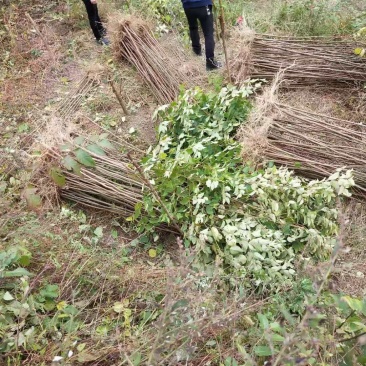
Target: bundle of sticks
[70,105]
[134,42]
[311,144]
[111,185]
[115,183]
[307,61]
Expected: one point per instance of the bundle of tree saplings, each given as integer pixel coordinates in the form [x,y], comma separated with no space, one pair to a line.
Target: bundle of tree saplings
[307,61]
[70,105]
[312,144]
[97,174]
[134,42]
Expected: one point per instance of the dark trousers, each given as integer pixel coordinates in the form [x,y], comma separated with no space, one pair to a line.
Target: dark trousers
[204,15]
[94,20]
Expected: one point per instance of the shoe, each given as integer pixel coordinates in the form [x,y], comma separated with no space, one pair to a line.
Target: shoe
[212,64]
[197,52]
[103,41]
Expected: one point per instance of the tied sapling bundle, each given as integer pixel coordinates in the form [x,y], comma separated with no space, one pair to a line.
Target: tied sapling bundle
[134,42]
[307,61]
[97,174]
[313,145]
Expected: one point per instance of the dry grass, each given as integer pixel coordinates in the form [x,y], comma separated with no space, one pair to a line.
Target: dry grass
[36,53]
[334,103]
[350,270]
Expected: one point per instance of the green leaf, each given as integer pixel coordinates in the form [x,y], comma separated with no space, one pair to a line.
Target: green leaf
[263,351]
[49,305]
[66,148]
[79,140]
[84,158]
[263,321]
[24,127]
[354,304]
[144,239]
[7,296]
[85,357]
[58,177]
[180,304]
[136,359]
[357,326]
[114,234]
[50,291]
[98,232]
[24,260]
[275,326]
[152,253]
[70,164]
[96,150]
[134,242]
[277,338]
[102,330]
[229,361]
[80,347]
[71,310]
[3,186]
[33,200]
[19,272]
[119,307]
[105,144]
[211,343]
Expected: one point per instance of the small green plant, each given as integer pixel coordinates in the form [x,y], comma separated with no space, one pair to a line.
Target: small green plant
[36,53]
[29,317]
[166,12]
[332,329]
[13,261]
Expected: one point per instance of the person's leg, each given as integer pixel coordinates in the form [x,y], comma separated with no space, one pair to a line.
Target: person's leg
[100,26]
[207,22]
[92,11]
[193,30]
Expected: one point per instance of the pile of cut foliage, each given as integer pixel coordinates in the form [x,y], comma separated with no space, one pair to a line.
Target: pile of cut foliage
[256,223]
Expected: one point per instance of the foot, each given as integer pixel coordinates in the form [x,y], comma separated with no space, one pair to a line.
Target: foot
[197,52]
[103,41]
[212,64]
